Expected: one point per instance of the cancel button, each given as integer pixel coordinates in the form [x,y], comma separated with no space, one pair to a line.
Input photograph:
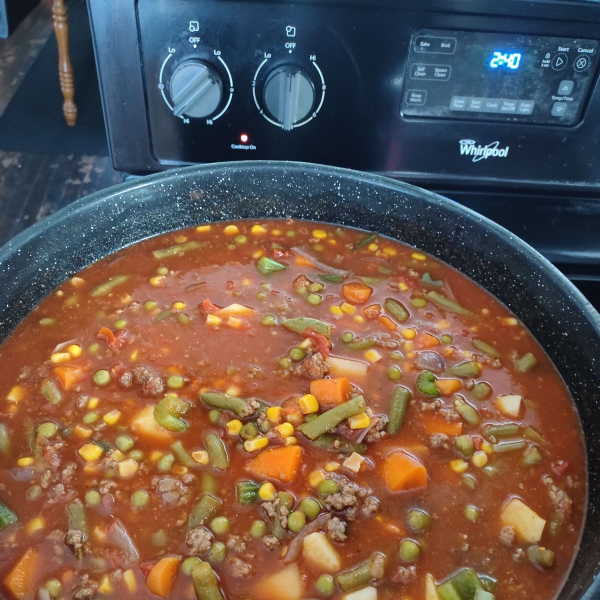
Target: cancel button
[416,97]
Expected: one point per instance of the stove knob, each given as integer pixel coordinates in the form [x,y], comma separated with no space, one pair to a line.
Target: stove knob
[196,90]
[289,95]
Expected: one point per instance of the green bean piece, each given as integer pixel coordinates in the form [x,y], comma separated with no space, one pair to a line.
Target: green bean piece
[409,551]
[93,498]
[484,595]
[466,582]
[396,309]
[108,286]
[446,339]
[183,318]
[296,521]
[249,431]
[160,538]
[164,315]
[168,413]
[140,498]
[500,431]
[166,462]
[267,266]
[526,363]
[533,435]
[333,417]
[205,582]
[77,520]
[286,501]
[426,384]
[209,484]
[219,525]
[218,552]
[486,348]
[471,513]
[33,493]
[531,456]
[418,520]
[362,344]
[488,583]
[4,440]
[398,407]
[246,492]
[509,446]
[327,487]
[176,250]
[310,507]
[7,516]
[184,457]
[347,337]
[297,354]
[469,480]
[189,563]
[427,279]
[446,591]
[124,443]
[482,391]
[217,452]
[258,528]
[206,508]
[311,417]
[50,391]
[540,556]
[47,430]
[447,304]
[300,324]
[330,278]
[466,411]
[238,406]
[464,445]
[366,240]
[175,382]
[466,369]
[363,573]
[334,442]
[325,585]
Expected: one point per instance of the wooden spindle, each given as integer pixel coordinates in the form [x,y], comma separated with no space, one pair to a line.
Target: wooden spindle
[65,70]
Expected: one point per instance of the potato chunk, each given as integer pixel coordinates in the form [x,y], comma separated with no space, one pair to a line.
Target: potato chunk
[366,593]
[510,405]
[346,367]
[430,588]
[283,585]
[320,553]
[528,525]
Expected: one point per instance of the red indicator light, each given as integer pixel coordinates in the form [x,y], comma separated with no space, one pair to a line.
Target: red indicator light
[244,138]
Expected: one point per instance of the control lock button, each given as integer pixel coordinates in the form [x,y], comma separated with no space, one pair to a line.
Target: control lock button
[565,87]
[525,107]
[581,63]
[559,109]
[416,97]
[458,103]
[559,62]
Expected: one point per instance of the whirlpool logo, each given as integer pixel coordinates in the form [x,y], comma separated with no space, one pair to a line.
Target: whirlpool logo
[479,152]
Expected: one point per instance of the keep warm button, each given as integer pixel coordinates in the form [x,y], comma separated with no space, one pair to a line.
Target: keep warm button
[430,72]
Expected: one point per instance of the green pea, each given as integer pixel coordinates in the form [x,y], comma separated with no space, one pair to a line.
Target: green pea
[261,296]
[265,285]
[53,587]
[249,431]
[165,462]
[296,521]
[258,528]
[220,525]
[325,585]
[150,305]
[47,430]
[218,551]
[396,355]
[102,377]
[297,354]
[189,563]
[319,247]
[90,418]
[137,455]
[34,492]
[446,339]
[175,382]
[269,320]
[394,373]
[409,551]
[471,513]
[315,287]
[120,324]
[231,246]
[347,337]
[160,538]
[124,443]
[328,487]
[240,239]
[290,233]
[92,498]
[469,480]
[418,520]
[310,507]
[140,498]
[214,416]
[94,348]
[285,362]
[314,299]
[47,321]
[419,302]
[162,271]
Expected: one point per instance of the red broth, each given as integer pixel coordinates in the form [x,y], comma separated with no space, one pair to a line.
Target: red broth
[179,413]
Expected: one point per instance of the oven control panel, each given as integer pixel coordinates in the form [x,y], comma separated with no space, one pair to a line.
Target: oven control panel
[497,77]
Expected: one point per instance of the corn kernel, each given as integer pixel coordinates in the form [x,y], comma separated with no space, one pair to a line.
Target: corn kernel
[233,390]
[348,308]
[26,461]
[372,247]
[246,282]
[231,230]
[129,579]
[373,356]
[274,414]
[403,287]
[200,456]
[181,239]
[443,324]
[256,444]
[331,467]
[105,586]
[459,465]
[134,355]
[90,452]
[257,229]
[77,281]
[276,232]
[332,242]
[510,321]
[117,456]
[179,305]
[267,492]
[320,234]
[359,319]
[127,468]
[390,251]
[418,256]
[354,462]
[82,433]
[179,470]
[408,334]
[336,310]
[158,281]
[408,345]
[74,350]
[256,255]
[203,228]
[360,421]
[284,430]
[308,404]
[315,477]
[155,456]
[234,426]
[213,320]
[35,525]
[290,441]
[487,448]
[110,418]
[479,459]
[411,354]
[59,357]
[306,343]
[93,403]
[16,394]
[234,322]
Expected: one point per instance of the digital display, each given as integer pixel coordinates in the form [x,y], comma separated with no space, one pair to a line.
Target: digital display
[510,60]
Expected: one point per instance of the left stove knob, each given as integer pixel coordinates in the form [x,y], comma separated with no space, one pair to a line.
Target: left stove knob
[196,90]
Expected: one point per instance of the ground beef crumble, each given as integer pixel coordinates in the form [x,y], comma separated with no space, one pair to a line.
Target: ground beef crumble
[507,536]
[199,540]
[236,544]
[270,542]
[315,366]
[239,568]
[336,530]
[561,500]
[404,575]
[152,384]
[171,490]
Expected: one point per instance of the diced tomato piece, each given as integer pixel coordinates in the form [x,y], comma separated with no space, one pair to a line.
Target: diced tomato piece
[106,335]
[207,307]
[319,339]
[560,467]
[371,312]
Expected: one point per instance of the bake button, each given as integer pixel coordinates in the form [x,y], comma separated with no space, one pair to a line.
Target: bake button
[559,62]
[565,87]
[491,105]
[582,63]
[435,45]
[508,107]
[458,103]
[525,107]
[416,97]
[475,105]
[559,109]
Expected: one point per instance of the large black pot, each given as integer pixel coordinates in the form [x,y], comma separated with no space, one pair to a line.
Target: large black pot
[560,318]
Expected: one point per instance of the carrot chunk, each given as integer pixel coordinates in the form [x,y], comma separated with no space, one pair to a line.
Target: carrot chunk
[207,307]
[387,322]
[145,425]
[161,579]
[428,341]
[282,463]
[357,292]
[437,424]
[448,387]
[402,471]
[291,410]
[69,375]
[20,581]
[330,392]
